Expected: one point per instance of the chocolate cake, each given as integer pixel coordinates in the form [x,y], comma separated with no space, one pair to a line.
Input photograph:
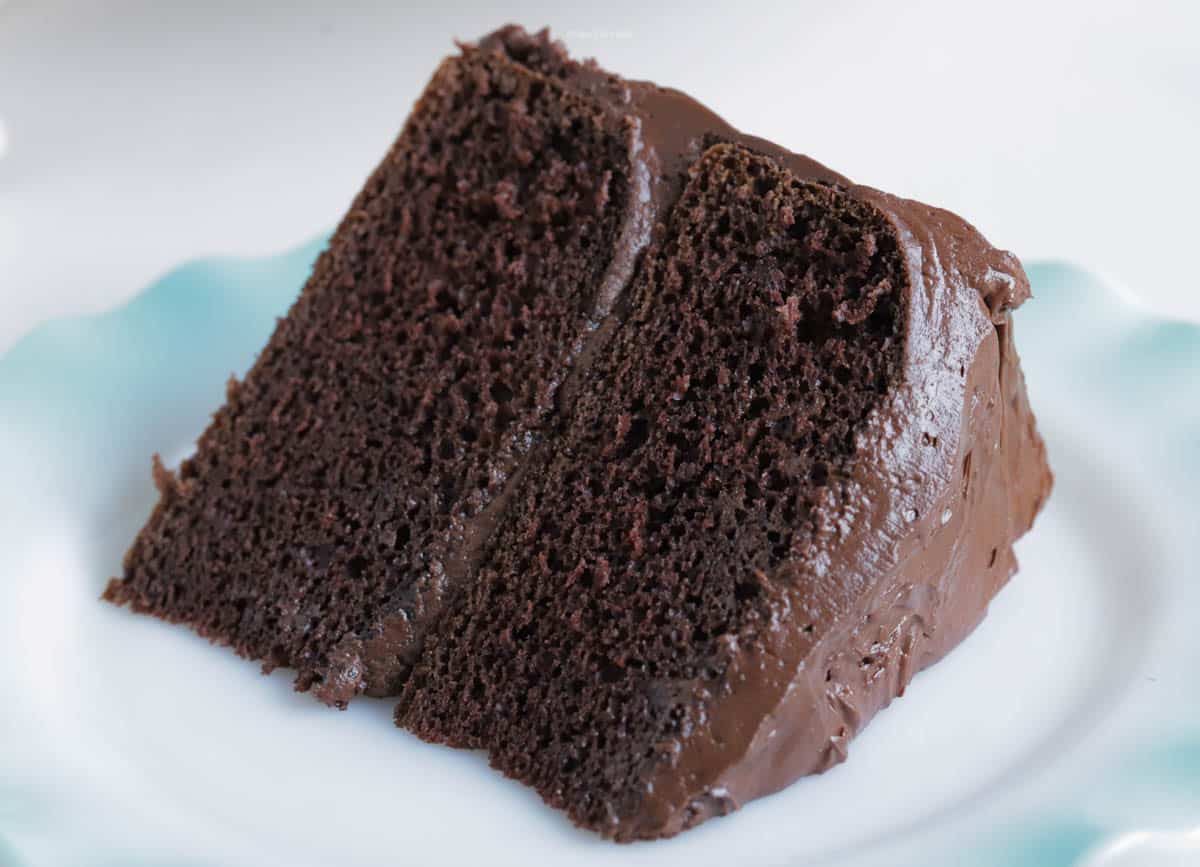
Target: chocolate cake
[641,453]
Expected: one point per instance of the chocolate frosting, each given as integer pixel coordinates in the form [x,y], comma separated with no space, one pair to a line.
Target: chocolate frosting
[948,471]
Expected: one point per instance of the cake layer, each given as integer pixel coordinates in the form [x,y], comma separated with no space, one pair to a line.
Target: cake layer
[350,481]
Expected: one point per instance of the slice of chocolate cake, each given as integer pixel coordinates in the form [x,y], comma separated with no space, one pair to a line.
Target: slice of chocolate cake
[645,455]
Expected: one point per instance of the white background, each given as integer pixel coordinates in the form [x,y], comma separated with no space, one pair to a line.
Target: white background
[140,134]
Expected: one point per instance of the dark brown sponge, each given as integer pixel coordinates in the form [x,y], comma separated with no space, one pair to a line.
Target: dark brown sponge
[764,329]
[328,509]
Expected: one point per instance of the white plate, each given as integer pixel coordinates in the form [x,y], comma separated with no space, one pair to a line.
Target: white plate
[1069,718]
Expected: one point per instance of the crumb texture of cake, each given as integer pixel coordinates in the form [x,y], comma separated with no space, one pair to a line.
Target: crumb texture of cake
[344,487]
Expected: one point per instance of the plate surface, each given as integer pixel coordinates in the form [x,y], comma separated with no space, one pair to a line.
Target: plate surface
[1069,718]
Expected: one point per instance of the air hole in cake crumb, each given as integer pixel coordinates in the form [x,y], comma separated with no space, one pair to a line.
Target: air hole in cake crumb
[746,590]
[639,432]
[966,474]
[501,393]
